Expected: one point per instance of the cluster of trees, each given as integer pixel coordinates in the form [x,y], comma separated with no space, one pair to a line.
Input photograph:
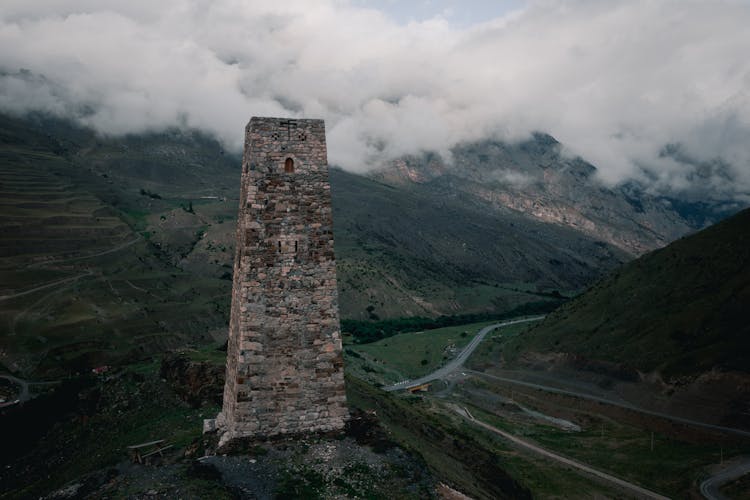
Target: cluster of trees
[370,331]
[146,192]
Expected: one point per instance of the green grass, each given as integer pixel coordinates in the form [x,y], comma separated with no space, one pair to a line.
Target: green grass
[465,456]
[137,219]
[132,304]
[157,313]
[624,451]
[621,449]
[57,204]
[209,354]
[488,352]
[416,354]
[462,261]
[18,280]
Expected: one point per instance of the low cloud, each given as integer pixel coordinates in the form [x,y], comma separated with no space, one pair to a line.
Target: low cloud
[511,177]
[616,82]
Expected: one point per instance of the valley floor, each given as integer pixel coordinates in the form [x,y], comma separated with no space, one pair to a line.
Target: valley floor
[666,454]
[484,436]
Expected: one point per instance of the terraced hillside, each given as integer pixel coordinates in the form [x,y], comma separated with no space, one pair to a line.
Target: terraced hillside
[42,214]
[401,253]
[79,287]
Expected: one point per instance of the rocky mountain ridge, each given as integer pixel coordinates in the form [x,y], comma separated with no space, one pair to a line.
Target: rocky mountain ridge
[535,178]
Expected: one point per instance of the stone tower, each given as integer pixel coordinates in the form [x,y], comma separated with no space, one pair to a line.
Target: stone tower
[285,371]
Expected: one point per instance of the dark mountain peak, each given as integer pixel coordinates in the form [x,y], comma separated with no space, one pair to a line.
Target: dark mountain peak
[540,143]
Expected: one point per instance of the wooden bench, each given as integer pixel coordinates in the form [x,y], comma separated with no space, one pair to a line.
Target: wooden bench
[140,452]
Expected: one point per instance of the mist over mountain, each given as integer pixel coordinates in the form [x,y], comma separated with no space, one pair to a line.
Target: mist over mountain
[535,178]
[540,226]
[673,79]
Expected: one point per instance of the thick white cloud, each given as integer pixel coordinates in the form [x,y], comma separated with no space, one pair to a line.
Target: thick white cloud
[614,81]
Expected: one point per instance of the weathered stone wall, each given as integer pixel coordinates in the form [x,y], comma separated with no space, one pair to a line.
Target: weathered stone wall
[284,362]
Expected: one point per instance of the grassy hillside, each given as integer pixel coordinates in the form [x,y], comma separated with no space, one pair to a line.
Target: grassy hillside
[81,282]
[681,310]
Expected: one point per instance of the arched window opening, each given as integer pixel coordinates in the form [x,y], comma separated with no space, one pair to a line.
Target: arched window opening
[279,246]
[295,247]
[289,166]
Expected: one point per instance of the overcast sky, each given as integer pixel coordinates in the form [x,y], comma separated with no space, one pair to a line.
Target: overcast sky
[615,81]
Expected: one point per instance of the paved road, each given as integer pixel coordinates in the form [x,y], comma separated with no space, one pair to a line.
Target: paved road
[459,360]
[710,487]
[610,402]
[641,492]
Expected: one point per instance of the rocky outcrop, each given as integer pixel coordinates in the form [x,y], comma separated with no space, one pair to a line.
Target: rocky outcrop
[196,383]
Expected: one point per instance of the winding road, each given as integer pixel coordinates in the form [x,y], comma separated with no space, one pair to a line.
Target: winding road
[641,492]
[627,406]
[117,248]
[459,360]
[22,396]
[710,487]
[71,278]
[60,284]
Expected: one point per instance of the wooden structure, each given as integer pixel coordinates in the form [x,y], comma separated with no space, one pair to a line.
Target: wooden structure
[420,388]
[140,452]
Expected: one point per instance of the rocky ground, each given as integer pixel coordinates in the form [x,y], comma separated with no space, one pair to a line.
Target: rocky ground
[73,443]
[301,468]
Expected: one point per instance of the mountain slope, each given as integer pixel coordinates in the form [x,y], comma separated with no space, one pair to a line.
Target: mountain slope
[535,178]
[668,332]
[681,310]
[82,284]
[403,250]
